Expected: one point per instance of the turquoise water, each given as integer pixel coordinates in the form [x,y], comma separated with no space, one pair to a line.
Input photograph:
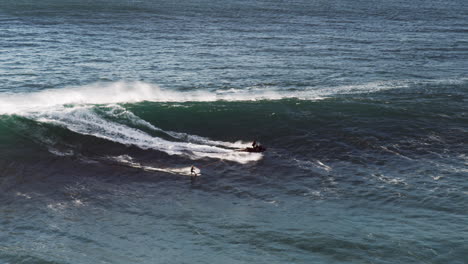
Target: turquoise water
[105,106]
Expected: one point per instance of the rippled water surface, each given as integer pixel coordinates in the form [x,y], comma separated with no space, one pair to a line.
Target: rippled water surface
[105,106]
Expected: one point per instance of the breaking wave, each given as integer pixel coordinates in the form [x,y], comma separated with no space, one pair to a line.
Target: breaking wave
[96,110]
[133,92]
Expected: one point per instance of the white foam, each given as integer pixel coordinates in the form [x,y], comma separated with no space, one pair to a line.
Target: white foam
[116,92]
[131,92]
[73,108]
[61,153]
[128,161]
[85,121]
[389,180]
[119,111]
[312,165]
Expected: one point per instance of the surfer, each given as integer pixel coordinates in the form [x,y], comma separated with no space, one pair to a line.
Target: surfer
[193,174]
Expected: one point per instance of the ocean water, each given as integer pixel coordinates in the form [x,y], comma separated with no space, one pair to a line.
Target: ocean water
[105,105]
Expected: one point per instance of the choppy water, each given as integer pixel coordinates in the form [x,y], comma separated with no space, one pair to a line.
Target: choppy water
[105,105]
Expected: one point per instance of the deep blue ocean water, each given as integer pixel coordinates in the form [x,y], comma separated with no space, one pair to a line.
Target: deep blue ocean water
[105,105]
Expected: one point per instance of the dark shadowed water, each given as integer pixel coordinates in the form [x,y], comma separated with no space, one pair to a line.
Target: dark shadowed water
[105,105]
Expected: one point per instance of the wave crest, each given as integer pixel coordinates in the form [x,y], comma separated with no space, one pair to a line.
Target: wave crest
[133,92]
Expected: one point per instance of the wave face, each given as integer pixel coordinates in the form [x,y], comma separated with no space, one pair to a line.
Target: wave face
[382,145]
[107,106]
[105,111]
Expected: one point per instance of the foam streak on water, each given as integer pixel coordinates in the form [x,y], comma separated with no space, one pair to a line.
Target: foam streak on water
[82,120]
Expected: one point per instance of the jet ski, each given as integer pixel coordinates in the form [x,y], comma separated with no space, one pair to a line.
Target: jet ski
[255,149]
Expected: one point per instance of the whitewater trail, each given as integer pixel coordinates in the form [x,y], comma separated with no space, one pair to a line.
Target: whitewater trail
[128,161]
[117,111]
[83,120]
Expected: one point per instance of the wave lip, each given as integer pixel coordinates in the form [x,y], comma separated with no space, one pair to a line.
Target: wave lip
[117,92]
[124,92]
[132,92]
